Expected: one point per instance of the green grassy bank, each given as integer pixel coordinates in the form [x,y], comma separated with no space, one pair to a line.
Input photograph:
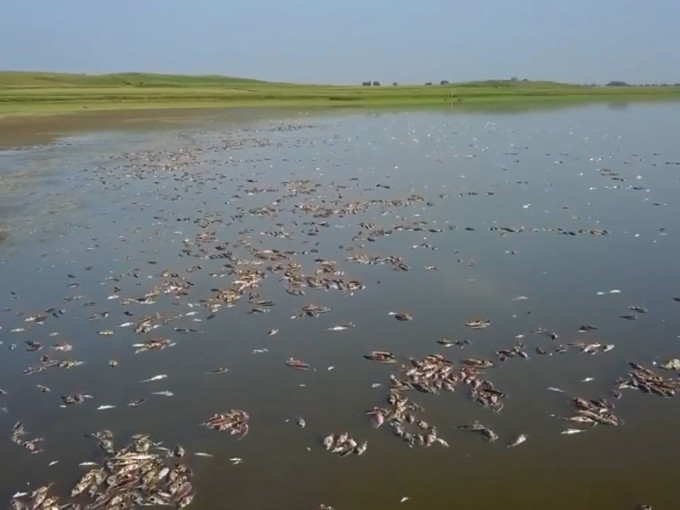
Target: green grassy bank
[46,93]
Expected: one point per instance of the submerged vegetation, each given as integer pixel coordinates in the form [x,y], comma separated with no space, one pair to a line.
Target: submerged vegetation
[30,93]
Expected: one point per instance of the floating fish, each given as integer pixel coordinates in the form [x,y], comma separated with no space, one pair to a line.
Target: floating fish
[568,432]
[401,316]
[164,393]
[520,439]
[218,371]
[155,378]
[272,332]
[297,364]
[671,364]
[477,323]
[105,407]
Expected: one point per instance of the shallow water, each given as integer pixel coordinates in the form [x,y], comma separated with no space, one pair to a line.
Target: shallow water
[113,208]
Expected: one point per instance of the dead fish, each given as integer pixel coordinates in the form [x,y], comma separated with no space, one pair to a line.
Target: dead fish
[236,460]
[671,364]
[520,439]
[360,449]
[401,316]
[218,371]
[297,364]
[341,327]
[477,323]
[272,332]
[62,347]
[137,403]
[629,317]
[381,357]
[638,309]
[32,346]
[154,378]
[552,388]
[42,388]
[164,393]
[301,422]
[586,327]
[203,454]
[105,332]
[568,432]
[105,407]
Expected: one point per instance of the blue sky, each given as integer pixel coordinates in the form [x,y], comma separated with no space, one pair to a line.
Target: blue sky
[329,41]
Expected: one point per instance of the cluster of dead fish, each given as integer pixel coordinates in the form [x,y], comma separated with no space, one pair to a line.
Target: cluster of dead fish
[47,362]
[644,379]
[435,373]
[397,263]
[18,438]
[404,421]
[344,444]
[38,499]
[593,412]
[326,277]
[141,474]
[155,344]
[235,421]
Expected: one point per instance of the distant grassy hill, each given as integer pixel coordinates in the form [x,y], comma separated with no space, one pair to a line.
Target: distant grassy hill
[34,93]
[36,80]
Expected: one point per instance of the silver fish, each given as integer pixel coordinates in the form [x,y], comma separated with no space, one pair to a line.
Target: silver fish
[155,378]
[164,393]
[569,432]
[520,439]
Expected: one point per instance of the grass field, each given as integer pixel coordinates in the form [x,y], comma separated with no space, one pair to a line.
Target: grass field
[46,93]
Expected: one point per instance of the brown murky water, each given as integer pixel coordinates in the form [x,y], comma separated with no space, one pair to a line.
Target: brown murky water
[530,220]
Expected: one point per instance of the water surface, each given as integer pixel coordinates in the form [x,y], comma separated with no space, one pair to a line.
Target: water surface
[115,209]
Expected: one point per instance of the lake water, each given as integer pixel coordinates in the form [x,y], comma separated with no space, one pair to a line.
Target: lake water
[550,219]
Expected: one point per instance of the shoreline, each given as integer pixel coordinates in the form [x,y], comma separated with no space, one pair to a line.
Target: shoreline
[48,108]
[39,124]
[45,94]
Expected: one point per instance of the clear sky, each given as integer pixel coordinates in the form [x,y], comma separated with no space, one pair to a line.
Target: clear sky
[332,41]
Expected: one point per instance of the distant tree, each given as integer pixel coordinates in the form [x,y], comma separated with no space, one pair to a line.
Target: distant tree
[376,84]
[617,84]
[514,78]
[429,83]
[366,83]
[395,84]
[444,82]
